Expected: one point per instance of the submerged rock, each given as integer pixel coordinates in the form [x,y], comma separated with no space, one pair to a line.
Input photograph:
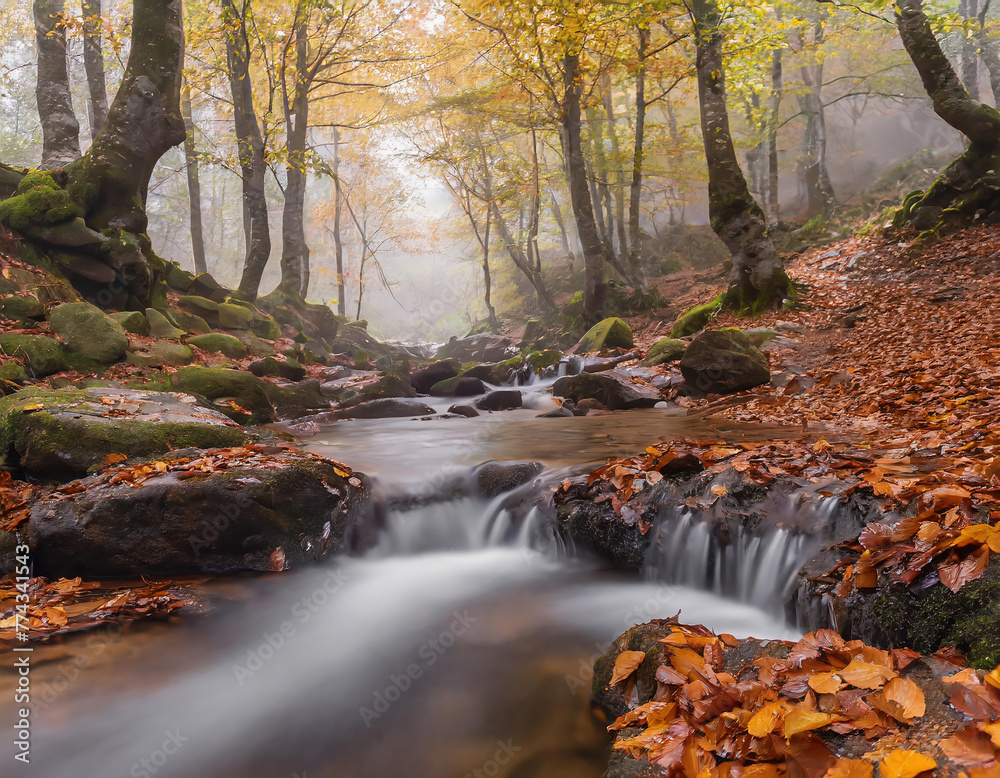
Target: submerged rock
[265,509]
[495,478]
[425,377]
[500,400]
[385,408]
[459,386]
[464,410]
[612,389]
[724,361]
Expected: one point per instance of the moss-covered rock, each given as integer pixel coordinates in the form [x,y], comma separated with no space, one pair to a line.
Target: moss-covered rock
[160,353]
[609,333]
[160,326]
[299,399]
[724,361]
[21,308]
[39,201]
[218,343]
[88,331]
[43,354]
[459,386]
[612,389]
[206,286]
[288,368]
[387,385]
[134,322]
[256,346]
[540,360]
[697,318]
[235,317]
[178,279]
[265,326]
[12,376]
[664,350]
[425,377]
[64,433]
[244,389]
[201,306]
[191,322]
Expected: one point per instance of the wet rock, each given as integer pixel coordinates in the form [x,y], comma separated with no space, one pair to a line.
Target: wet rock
[478,348]
[237,387]
[160,353]
[459,386]
[269,510]
[292,401]
[287,368]
[588,404]
[218,343]
[664,350]
[43,355]
[609,333]
[501,400]
[495,478]
[387,385]
[724,361]
[611,389]
[88,331]
[425,377]
[386,408]
[63,433]
[464,410]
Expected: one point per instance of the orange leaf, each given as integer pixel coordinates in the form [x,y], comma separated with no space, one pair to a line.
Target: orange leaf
[866,675]
[825,683]
[114,459]
[851,768]
[626,663]
[799,720]
[764,721]
[905,764]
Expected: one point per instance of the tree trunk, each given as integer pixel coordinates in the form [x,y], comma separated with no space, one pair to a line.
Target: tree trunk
[594,288]
[758,278]
[194,185]
[635,191]
[819,191]
[777,88]
[988,51]
[250,149]
[627,259]
[93,63]
[60,128]
[563,235]
[338,238]
[294,249]
[969,11]
[534,259]
[521,261]
[969,185]
[487,275]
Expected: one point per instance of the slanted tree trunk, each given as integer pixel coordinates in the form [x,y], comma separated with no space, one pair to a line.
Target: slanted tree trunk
[758,278]
[60,128]
[820,198]
[194,184]
[294,249]
[250,149]
[594,288]
[93,63]
[635,190]
[968,186]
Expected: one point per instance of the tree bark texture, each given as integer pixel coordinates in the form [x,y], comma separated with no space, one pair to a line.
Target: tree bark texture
[635,189]
[93,63]
[60,128]
[294,249]
[820,198]
[758,278]
[194,184]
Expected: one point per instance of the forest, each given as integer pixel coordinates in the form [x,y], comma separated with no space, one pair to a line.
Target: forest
[522,388]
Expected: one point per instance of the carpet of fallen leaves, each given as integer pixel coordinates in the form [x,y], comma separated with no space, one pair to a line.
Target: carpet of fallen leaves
[779,713]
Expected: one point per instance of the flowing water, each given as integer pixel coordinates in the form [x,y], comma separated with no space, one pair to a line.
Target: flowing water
[461,645]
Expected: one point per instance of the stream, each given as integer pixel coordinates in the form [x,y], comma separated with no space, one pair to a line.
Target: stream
[459,646]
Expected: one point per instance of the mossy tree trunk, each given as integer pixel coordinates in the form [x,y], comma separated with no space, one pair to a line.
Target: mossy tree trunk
[969,186]
[60,128]
[758,278]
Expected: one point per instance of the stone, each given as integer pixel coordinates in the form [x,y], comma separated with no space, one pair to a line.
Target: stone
[160,326]
[63,433]
[425,377]
[270,509]
[611,389]
[218,343]
[724,361]
[478,348]
[235,317]
[495,478]
[73,233]
[288,368]
[696,319]
[663,351]
[133,322]
[225,387]
[21,308]
[607,334]
[500,400]
[386,408]
[191,322]
[204,285]
[464,410]
[43,355]
[12,376]
[257,346]
[387,385]
[86,267]
[459,386]
[160,353]
[200,305]
[88,331]
[178,279]
[293,401]
[760,335]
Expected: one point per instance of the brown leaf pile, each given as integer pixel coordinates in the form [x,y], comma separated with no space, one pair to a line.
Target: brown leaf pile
[15,499]
[777,715]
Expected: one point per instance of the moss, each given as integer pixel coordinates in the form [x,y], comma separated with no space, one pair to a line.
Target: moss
[43,354]
[246,389]
[217,343]
[608,333]
[39,201]
[539,360]
[697,318]
[927,620]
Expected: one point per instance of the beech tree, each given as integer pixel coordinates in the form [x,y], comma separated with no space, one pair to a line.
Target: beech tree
[60,128]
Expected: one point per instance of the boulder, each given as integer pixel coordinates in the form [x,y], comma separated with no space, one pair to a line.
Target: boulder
[160,326]
[202,306]
[178,279]
[218,343]
[459,386]
[160,353]
[21,308]
[204,285]
[190,322]
[495,478]
[235,317]
[664,350]
[133,322]
[288,368]
[63,433]
[612,389]
[464,410]
[256,346]
[386,408]
[12,376]
[478,348]
[425,377]
[387,385]
[607,334]
[43,355]
[264,509]
[724,361]
[696,319]
[500,400]
[88,331]
[240,395]
[293,401]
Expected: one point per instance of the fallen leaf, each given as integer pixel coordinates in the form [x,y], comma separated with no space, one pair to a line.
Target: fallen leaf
[626,663]
[905,764]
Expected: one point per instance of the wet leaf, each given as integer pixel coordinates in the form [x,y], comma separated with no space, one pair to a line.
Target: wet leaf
[905,764]
[626,663]
[851,768]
